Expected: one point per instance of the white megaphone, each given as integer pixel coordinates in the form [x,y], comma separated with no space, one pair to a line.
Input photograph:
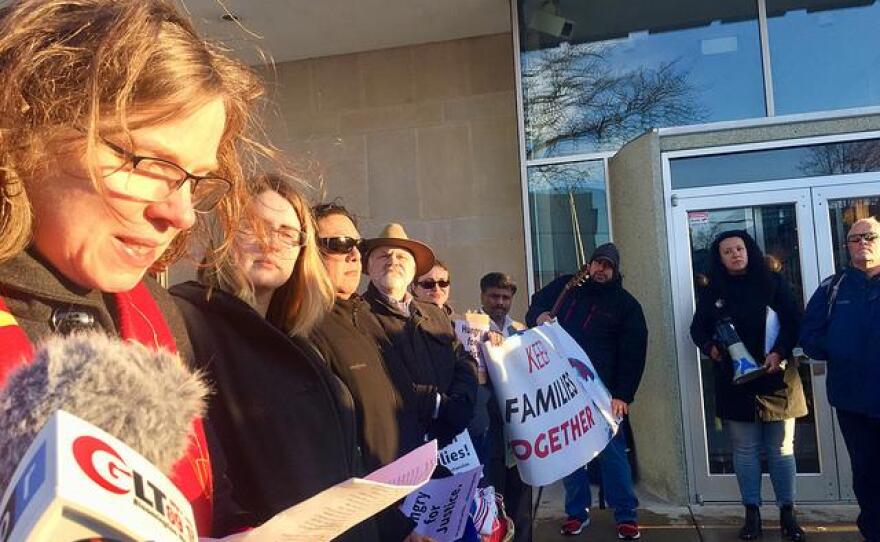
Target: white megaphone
[745,368]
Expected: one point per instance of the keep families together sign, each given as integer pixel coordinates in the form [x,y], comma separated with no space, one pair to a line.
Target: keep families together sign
[556,411]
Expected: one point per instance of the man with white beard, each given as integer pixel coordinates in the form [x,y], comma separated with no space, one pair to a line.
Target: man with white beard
[434,374]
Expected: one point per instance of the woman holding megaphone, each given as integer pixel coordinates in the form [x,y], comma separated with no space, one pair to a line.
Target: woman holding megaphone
[747,322]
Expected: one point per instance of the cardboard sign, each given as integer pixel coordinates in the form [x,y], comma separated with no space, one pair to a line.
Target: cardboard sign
[459,455]
[556,411]
[471,332]
[440,507]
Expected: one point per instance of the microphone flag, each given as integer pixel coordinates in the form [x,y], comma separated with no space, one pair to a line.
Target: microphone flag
[77,482]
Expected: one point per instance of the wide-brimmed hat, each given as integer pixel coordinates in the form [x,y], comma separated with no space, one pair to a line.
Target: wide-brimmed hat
[393,235]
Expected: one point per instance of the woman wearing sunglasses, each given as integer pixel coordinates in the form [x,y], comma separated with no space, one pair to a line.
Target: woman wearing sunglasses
[286,422]
[119,125]
[433,287]
[345,339]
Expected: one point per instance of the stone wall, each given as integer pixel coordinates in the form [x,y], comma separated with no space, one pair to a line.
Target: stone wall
[424,135]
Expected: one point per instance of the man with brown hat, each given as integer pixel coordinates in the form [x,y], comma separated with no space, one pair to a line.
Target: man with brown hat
[435,375]
[608,323]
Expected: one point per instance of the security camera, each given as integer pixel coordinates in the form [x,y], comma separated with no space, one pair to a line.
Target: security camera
[548,23]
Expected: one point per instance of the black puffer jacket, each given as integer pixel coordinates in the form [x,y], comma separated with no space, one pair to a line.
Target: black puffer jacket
[286,422]
[608,323]
[771,397]
[425,358]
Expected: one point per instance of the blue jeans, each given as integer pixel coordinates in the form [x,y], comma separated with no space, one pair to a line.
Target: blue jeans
[616,478]
[777,441]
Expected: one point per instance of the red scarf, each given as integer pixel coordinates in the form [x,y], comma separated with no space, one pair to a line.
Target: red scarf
[139,320]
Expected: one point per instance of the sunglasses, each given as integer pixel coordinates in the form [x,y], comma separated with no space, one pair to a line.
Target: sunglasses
[339,245]
[869,237]
[429,284]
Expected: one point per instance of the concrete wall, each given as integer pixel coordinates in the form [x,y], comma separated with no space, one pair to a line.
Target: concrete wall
[770,132]
[422,135]
[639,224]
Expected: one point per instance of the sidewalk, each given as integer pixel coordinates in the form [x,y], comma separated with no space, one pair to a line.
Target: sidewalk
[710,523]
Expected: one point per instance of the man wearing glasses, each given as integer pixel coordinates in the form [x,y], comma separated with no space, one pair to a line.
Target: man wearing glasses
[842,325]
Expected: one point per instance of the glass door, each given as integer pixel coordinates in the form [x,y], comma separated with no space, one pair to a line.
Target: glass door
[782,222]
[835,208]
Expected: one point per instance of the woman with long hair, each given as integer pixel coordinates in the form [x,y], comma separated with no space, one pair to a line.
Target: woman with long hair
[759,414]
[287,424]
[119,127]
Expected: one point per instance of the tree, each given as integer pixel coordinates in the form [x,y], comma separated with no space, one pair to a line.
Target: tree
[574,93]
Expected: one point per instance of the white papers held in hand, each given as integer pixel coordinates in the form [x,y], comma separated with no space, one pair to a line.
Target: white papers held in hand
[335,510]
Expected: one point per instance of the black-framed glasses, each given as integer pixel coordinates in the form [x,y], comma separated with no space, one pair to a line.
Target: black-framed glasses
[286,237]
[339,245]
[430,284]
[869,237]
[157,179]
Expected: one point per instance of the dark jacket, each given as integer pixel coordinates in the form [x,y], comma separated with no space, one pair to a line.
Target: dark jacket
[286,422]
[346,340]
[608,323]
[33,290]
[849,339]
[771,397]
[425,358]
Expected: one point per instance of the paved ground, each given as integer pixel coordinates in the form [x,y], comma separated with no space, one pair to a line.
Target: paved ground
[663,523]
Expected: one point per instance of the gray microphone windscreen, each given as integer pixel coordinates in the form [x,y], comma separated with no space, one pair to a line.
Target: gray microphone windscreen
[146,399]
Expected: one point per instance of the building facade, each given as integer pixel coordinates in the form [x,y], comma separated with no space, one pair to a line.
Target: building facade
[660,125]
[653,124]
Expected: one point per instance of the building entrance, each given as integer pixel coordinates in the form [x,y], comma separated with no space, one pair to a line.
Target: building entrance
[802,231]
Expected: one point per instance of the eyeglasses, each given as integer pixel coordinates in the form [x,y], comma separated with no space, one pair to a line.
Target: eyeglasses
[158,179]
[286,237]
[869,237]
[339,245]
[430,284]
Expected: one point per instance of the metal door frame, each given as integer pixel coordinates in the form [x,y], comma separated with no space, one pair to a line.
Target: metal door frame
[825,262]
[822,486]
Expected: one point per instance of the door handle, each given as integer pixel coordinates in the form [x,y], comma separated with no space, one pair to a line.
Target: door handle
[817,366]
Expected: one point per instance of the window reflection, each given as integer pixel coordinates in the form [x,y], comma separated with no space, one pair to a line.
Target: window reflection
[596,74]
[569,216]
[776,164]
[828,47]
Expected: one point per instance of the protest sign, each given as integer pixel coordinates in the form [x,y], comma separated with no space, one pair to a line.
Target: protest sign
[459,455]
[440,507]
[471,332]
[335,510]
[557,413]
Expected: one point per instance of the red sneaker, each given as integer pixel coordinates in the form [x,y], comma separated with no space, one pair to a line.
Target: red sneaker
[628,531]
[574,526]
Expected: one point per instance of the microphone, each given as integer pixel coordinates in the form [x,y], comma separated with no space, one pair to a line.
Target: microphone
[147,399]
[99,466]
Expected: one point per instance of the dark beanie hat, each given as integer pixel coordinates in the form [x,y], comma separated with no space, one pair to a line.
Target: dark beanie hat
[607,252]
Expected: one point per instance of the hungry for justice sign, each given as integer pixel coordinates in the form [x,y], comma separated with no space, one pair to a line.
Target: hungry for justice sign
[556,410]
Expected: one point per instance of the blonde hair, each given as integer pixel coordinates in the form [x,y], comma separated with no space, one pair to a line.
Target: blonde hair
[870,220]
[73,66]
[301,302]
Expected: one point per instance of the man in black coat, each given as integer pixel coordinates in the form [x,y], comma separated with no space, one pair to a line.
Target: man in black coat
[608,323]
[435,375]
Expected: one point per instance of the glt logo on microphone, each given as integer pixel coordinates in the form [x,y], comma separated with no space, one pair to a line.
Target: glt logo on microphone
[92,454]
[106,468]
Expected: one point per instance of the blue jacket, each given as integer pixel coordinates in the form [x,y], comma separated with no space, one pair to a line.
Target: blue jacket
[849,338]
